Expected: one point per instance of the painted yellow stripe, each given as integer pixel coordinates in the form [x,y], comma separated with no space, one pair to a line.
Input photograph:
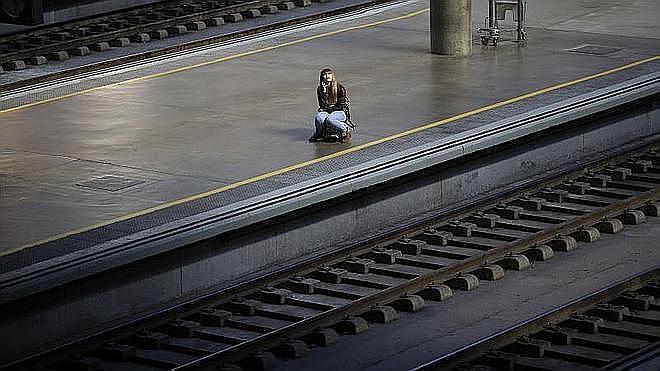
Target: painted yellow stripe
[337,154]
[220,60]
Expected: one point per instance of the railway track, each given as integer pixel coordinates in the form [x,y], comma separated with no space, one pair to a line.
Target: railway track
[282,316]
[138,25]
[616,328]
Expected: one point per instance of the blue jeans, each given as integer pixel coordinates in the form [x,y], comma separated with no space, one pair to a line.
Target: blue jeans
[330,123]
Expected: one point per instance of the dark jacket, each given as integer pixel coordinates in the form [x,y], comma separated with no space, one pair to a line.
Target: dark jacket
[343,103]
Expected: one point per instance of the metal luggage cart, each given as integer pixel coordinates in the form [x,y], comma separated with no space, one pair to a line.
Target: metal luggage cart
[494,25]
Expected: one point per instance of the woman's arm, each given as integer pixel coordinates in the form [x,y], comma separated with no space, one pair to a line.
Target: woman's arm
[343,100]
[319,97]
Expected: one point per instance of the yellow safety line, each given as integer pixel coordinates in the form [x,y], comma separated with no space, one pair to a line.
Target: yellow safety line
[219,60]
[327,157]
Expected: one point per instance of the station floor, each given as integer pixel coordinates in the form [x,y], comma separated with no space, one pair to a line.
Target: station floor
[246,109]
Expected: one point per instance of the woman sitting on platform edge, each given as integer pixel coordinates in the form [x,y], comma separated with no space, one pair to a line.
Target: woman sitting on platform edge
[333,120]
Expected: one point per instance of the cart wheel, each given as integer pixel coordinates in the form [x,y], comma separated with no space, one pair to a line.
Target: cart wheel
[494,42]
[484,40]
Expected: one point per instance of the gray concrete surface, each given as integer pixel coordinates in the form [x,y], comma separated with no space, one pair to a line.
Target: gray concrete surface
[440,328]
[648,365]
[206,127]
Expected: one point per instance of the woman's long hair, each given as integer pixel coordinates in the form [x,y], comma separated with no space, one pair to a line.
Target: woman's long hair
[332,94]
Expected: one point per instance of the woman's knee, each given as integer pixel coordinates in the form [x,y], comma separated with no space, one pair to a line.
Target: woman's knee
[338,125]
[338,121]
[321,117]
[337,116]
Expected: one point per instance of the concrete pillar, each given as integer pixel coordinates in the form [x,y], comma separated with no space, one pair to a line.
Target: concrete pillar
[451,27]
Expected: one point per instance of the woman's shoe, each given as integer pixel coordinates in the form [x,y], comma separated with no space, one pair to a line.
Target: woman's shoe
[313,139]
[346,137]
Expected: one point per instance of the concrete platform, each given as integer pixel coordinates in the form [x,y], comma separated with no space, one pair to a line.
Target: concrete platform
[104,153]
[109,156]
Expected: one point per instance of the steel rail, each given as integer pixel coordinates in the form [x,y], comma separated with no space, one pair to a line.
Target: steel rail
[561,313]
[59,26]
[635,359]
[409,229]
[130,30]
[190,308]
[330,317]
